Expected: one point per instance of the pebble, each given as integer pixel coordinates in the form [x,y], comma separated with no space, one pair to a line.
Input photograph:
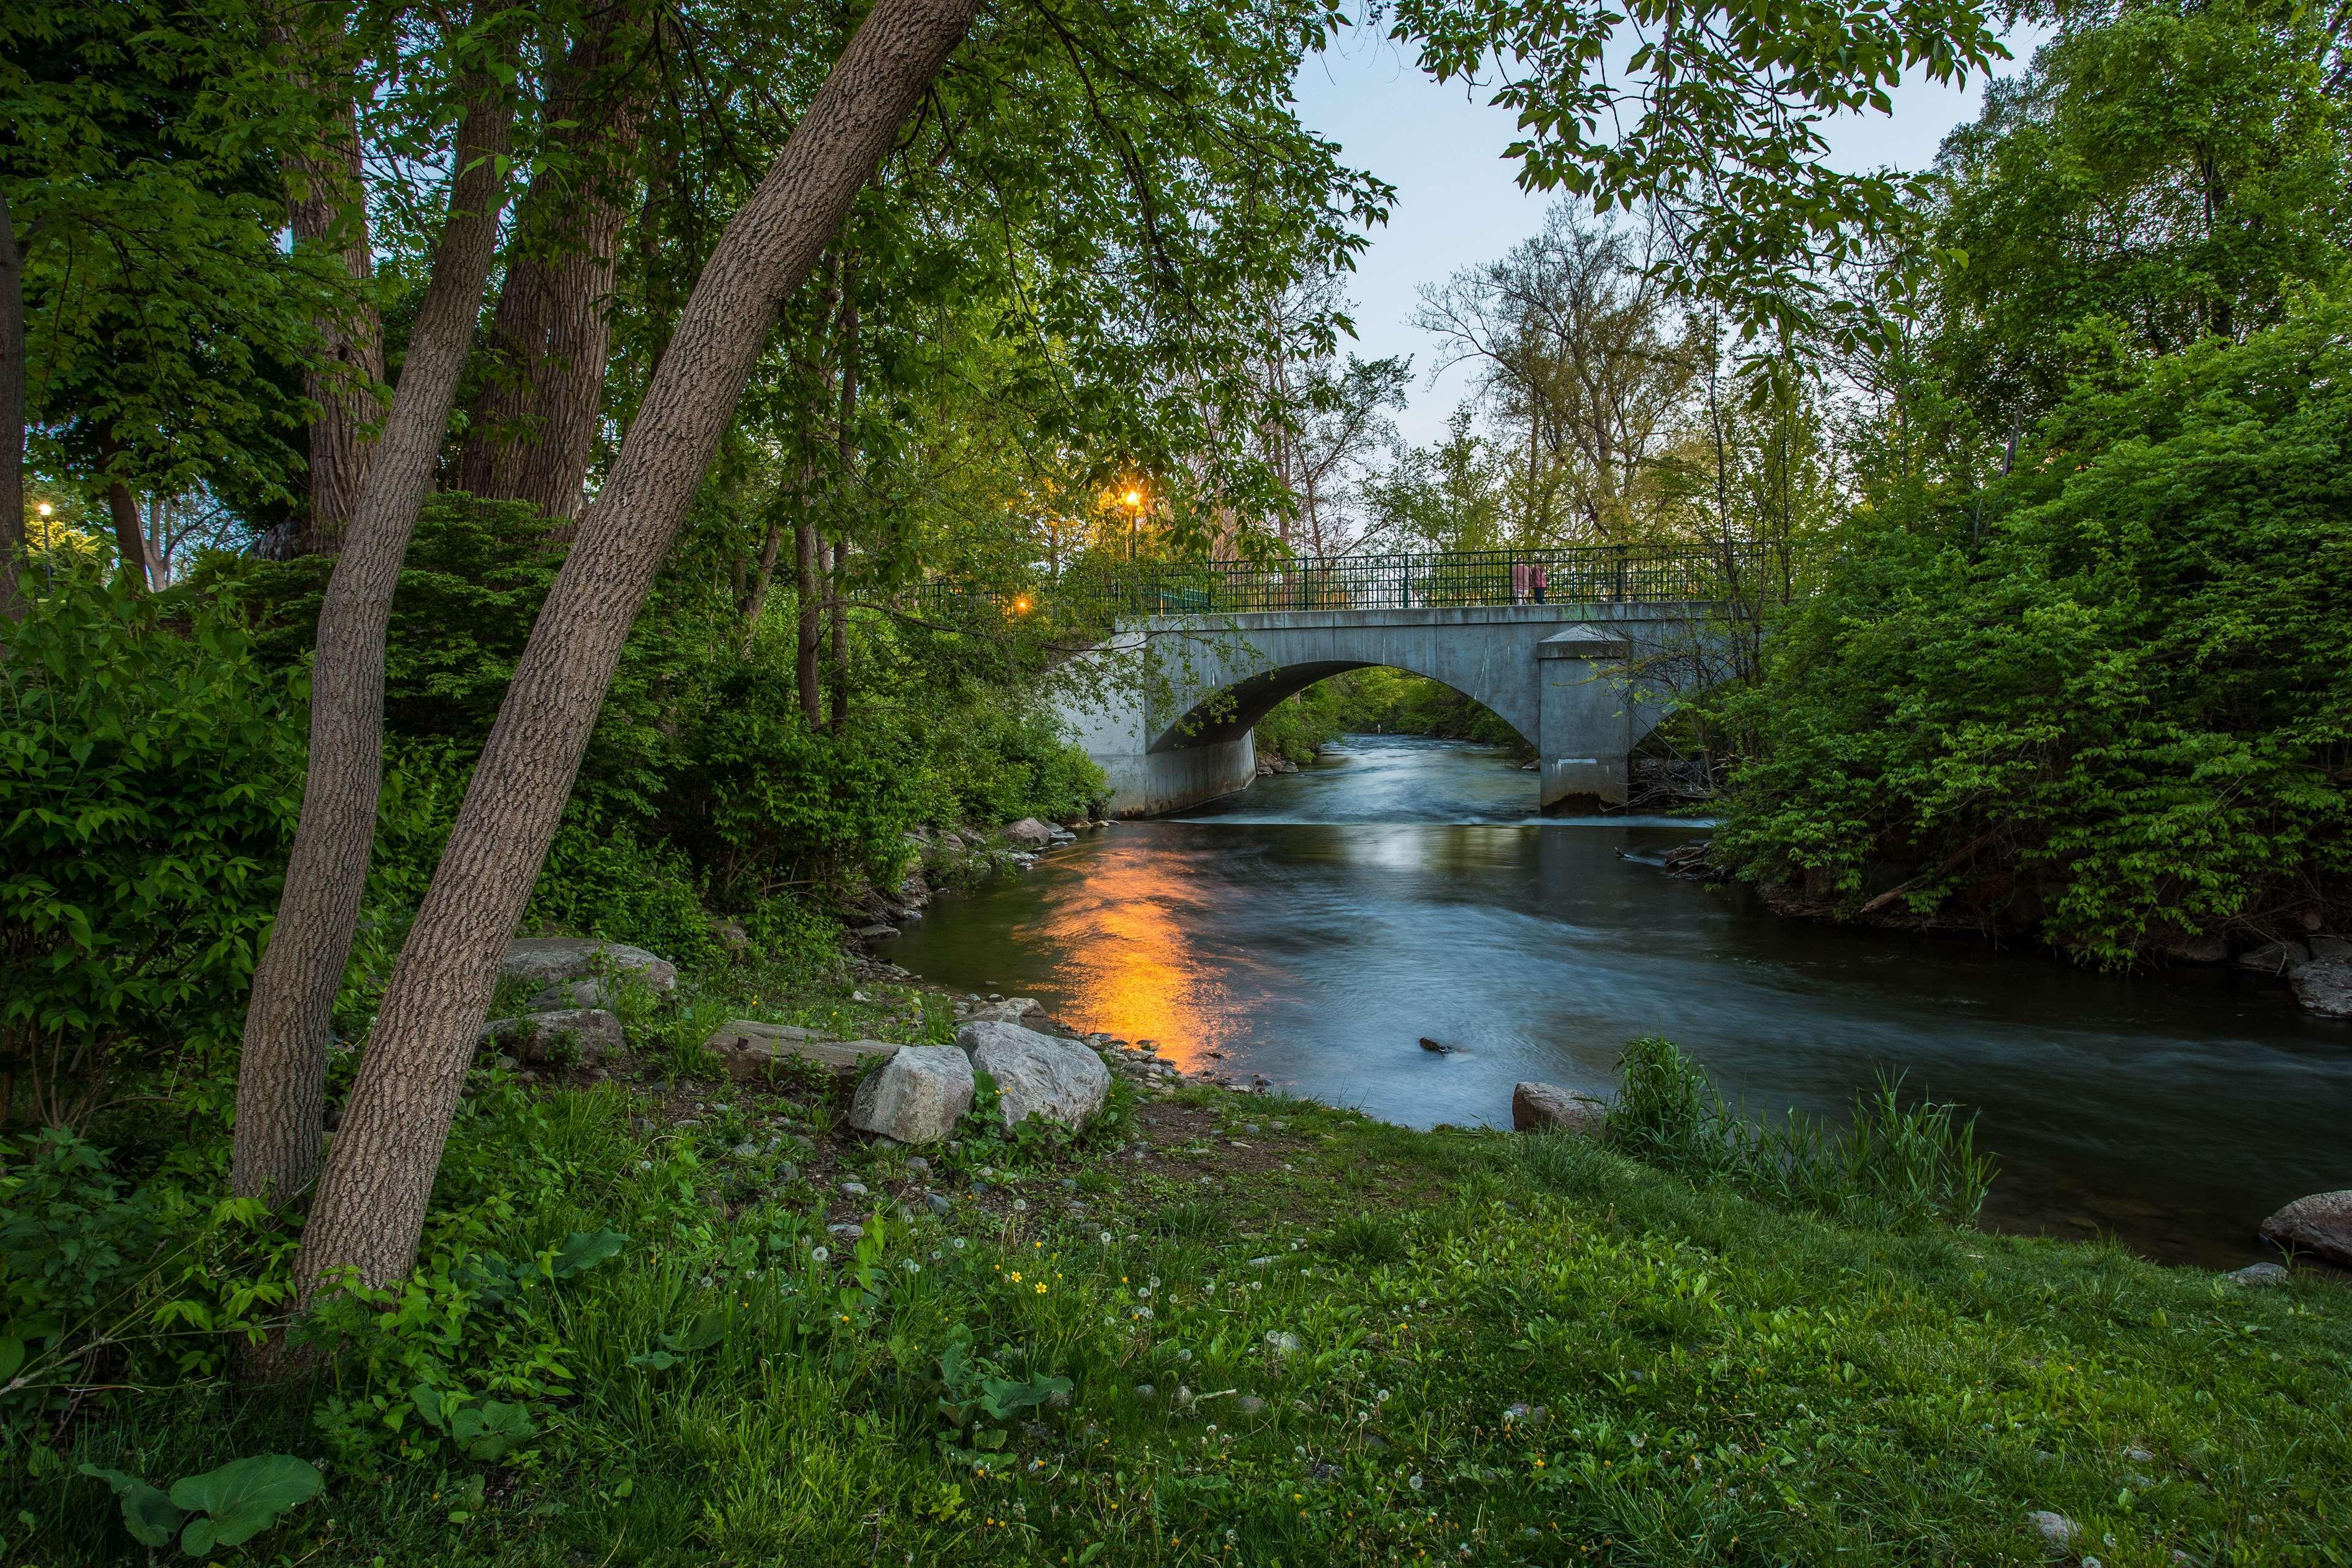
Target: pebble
[747,1150]
[854,1188]
[938,1203]
[2258,1274]
[847,1232]
[918,1166]
[2139,1456]
[2056,1530]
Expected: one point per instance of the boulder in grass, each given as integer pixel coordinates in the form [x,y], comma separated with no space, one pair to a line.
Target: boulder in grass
[547,960]
[1011,1010]
[566,994]
[1548,1107]
[753,1049]
[2320,1225]
[582,1035]
[915,1097]
[1029,834]
[2324,989]
[1036,1074]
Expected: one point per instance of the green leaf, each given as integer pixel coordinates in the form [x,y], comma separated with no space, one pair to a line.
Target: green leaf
[147,1512]
[1002,1398]
[491,1429]
[432,1407]
[245,1497]
[583,1250]
[12,1356]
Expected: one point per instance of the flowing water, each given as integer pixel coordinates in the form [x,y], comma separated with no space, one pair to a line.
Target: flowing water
[1314,927]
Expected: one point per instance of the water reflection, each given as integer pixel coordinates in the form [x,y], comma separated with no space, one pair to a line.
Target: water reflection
[2175,1110]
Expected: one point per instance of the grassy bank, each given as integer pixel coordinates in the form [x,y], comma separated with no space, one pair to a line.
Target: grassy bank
[1221,1328]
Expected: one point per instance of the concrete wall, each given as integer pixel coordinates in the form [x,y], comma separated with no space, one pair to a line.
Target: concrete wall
[1166,706]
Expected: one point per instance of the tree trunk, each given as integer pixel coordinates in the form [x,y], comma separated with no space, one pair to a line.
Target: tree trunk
[534,425]
[755,601]
[370,1207]
[282,1072]
[129,531]
[846,453]
[329,207]
[807,559]
[12,416]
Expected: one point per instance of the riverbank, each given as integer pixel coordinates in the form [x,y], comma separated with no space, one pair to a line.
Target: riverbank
[1223,1327]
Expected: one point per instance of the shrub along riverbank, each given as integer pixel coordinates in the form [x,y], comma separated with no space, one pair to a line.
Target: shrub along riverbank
[1213,1328]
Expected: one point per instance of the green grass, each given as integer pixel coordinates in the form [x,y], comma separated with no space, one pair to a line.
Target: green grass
[1508,1349]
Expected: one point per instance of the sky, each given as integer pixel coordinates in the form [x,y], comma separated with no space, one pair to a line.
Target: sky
[1456,205]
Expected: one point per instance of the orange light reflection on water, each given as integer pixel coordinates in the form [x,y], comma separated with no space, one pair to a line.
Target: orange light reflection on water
[1129,968]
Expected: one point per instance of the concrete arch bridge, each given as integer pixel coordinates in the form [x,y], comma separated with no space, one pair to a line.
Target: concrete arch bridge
[1579,651]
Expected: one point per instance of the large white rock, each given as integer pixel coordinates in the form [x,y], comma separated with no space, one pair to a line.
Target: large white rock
[1037,1075]
[546,960]
[917,1097]
[1029,834]
[1011,1010]
[2324,989]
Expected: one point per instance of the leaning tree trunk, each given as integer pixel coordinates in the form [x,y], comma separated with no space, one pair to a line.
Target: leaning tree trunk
[534,425]
[282,1073]
[808,560]
[370,1207]
[12,416]
[329,208]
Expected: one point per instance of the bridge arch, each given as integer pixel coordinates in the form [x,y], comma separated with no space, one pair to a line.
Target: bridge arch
[1232,712]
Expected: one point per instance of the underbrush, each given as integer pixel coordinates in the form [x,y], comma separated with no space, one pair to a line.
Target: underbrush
[1221,1328]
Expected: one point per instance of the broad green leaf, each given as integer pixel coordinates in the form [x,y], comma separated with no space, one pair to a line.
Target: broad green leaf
[583,1250]
[147,1512]
[245,1497]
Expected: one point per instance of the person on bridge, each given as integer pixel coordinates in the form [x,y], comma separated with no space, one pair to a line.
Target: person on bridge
[1536,581]
[1518,582]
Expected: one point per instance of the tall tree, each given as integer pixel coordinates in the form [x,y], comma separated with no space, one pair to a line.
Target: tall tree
[535,423]
[326,211]
[281,1073]
[370,1207]
[12,414]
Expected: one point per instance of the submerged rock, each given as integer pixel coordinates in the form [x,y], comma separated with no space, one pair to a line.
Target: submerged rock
[2275,957]
[546,960]
[2320,1225]
[917,1097]
[1548,1107]
[2324,989]
[1038,1074]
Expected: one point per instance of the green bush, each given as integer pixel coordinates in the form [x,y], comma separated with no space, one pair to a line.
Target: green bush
[150,776]
[2124,717]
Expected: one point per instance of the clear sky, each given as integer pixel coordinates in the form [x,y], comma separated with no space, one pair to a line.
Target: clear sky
[1456,205]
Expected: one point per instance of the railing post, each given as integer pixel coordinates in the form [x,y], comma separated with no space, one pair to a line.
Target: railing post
[1621,574]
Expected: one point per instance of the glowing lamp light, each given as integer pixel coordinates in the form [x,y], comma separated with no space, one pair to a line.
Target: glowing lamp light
[1021,605]
[45,509]
[1133,498]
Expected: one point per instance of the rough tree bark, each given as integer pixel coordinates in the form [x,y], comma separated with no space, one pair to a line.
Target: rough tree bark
[282,1072]
[808,560]
[534,425]
[12,415]
[329,207]
[370,1207]
[846,454]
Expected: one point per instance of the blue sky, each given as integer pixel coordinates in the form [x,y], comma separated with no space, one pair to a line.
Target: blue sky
[1456,205]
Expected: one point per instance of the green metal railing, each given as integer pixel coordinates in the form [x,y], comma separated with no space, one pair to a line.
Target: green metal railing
[1098,591]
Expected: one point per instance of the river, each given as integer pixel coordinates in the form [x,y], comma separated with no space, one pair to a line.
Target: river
[1314,927]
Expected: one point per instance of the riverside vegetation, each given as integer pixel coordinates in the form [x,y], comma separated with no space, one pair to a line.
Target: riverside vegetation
[1212,1327]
